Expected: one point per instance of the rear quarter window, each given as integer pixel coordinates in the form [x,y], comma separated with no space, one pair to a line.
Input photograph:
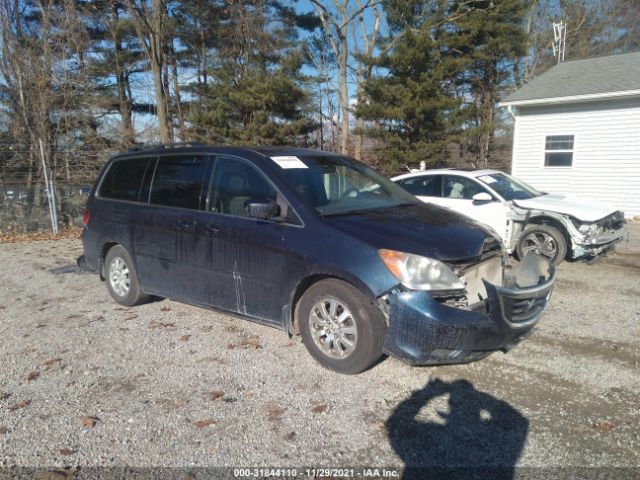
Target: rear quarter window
[124,179]
[179,181]
[423,186]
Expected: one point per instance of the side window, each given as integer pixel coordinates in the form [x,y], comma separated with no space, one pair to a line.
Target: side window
[234,182]
[423,186]
[558,151]
[124,179]
[460,187]
[179,181]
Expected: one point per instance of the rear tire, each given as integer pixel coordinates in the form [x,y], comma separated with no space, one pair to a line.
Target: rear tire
[340,327]
[545,240]
[122,278]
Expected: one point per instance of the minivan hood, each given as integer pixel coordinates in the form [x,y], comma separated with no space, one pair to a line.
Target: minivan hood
[421,229]
[584,210]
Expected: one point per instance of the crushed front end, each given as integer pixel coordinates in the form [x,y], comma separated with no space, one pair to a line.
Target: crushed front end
[498,308]
[592,239]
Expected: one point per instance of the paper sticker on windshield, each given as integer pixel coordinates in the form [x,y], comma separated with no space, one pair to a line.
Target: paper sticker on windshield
[487,179]
[289,162]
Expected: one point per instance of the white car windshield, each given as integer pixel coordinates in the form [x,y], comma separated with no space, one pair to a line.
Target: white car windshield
[336,185]
[508,187]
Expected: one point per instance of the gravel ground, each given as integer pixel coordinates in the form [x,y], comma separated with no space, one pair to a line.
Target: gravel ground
[84,382]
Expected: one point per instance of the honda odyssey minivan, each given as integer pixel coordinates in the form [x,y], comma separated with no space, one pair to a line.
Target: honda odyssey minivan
[314,243]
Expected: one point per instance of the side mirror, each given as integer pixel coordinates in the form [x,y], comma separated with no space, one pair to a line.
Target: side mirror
[261,209]
[482,198]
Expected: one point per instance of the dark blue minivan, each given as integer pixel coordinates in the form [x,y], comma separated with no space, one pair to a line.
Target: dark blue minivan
[314,243]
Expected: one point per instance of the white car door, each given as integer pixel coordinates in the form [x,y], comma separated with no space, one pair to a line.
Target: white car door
[457,194]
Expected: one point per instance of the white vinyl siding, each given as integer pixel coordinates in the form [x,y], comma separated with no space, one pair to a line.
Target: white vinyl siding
[606,151]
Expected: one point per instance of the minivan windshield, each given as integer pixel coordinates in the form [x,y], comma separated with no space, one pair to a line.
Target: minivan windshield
[508,187]
[335,185]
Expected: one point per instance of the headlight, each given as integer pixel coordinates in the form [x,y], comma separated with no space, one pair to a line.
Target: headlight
[420,273]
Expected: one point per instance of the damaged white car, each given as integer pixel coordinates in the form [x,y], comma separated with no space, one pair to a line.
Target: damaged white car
[554,226]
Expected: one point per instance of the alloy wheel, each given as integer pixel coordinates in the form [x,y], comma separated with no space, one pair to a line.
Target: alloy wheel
[119,277]
[333,328]
[540,243]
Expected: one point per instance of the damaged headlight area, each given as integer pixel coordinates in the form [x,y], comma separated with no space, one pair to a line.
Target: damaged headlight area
[589,229]
[425,330]
[421,273]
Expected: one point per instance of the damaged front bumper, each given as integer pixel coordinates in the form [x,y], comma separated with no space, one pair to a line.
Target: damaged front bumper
[592,246]
[424,331]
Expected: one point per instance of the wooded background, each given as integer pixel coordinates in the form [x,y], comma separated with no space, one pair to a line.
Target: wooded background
[389,82]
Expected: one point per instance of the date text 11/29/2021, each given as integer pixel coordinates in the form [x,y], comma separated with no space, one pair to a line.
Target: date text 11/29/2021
[316,473]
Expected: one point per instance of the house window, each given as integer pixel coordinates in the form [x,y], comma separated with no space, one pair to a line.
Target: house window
[558,151]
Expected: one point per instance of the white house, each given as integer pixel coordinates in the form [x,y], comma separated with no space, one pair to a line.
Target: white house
[577,130]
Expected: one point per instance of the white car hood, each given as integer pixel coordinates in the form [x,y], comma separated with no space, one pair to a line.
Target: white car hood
[585,210]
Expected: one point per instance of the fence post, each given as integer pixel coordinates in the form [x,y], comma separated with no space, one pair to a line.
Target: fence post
[50,193]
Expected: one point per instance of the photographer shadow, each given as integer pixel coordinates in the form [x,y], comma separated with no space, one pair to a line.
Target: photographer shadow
[472,435]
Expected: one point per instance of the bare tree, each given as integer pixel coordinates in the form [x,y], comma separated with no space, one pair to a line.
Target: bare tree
[46,94]
[151,25]
[365,66]
[125,102]
[336,23]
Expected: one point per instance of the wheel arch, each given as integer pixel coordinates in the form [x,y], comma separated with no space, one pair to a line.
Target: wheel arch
[552,222]
[290,314]
[103,254]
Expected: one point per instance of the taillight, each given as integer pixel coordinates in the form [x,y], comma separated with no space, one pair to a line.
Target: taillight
[86,217]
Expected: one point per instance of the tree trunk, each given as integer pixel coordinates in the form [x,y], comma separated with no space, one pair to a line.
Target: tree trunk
[343,91]
[176,94]
[487,112]
[124,103]
[149,27]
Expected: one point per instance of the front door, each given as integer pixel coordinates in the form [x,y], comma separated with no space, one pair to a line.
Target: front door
[246,258]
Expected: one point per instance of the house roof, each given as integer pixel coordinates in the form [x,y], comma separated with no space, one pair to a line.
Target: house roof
[580,80]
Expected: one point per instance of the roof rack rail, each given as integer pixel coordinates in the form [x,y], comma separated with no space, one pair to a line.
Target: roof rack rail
[166,146]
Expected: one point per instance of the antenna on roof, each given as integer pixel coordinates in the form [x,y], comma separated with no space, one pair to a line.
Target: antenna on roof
[559,40]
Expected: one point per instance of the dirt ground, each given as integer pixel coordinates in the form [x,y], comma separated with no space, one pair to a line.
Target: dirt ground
[84,382]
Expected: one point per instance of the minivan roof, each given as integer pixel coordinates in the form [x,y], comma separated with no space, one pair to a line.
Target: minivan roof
[268,151]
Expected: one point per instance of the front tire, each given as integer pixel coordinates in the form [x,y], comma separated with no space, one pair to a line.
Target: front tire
[122,278]
[545,240]
[340,327]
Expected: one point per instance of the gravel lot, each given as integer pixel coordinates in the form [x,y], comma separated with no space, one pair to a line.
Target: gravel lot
[84,382]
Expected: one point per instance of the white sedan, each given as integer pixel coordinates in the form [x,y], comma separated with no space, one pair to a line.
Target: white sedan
[554,226]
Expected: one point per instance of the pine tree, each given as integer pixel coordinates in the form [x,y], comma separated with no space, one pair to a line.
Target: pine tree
[256,92]
[411,103]
[446,64]
[490,38]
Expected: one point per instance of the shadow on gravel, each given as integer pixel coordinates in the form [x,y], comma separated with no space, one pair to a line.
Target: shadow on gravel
[478,437]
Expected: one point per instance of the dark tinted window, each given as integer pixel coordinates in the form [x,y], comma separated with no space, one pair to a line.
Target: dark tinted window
[558,159]
[123,179]
[423,186]
[460,187]
[235,182]
[179,181]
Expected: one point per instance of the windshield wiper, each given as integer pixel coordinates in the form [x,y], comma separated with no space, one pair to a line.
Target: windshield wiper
[361,211]
[406,204]
[348,212]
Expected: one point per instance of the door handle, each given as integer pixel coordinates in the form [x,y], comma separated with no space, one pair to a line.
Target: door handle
[183,224]
[210,228]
